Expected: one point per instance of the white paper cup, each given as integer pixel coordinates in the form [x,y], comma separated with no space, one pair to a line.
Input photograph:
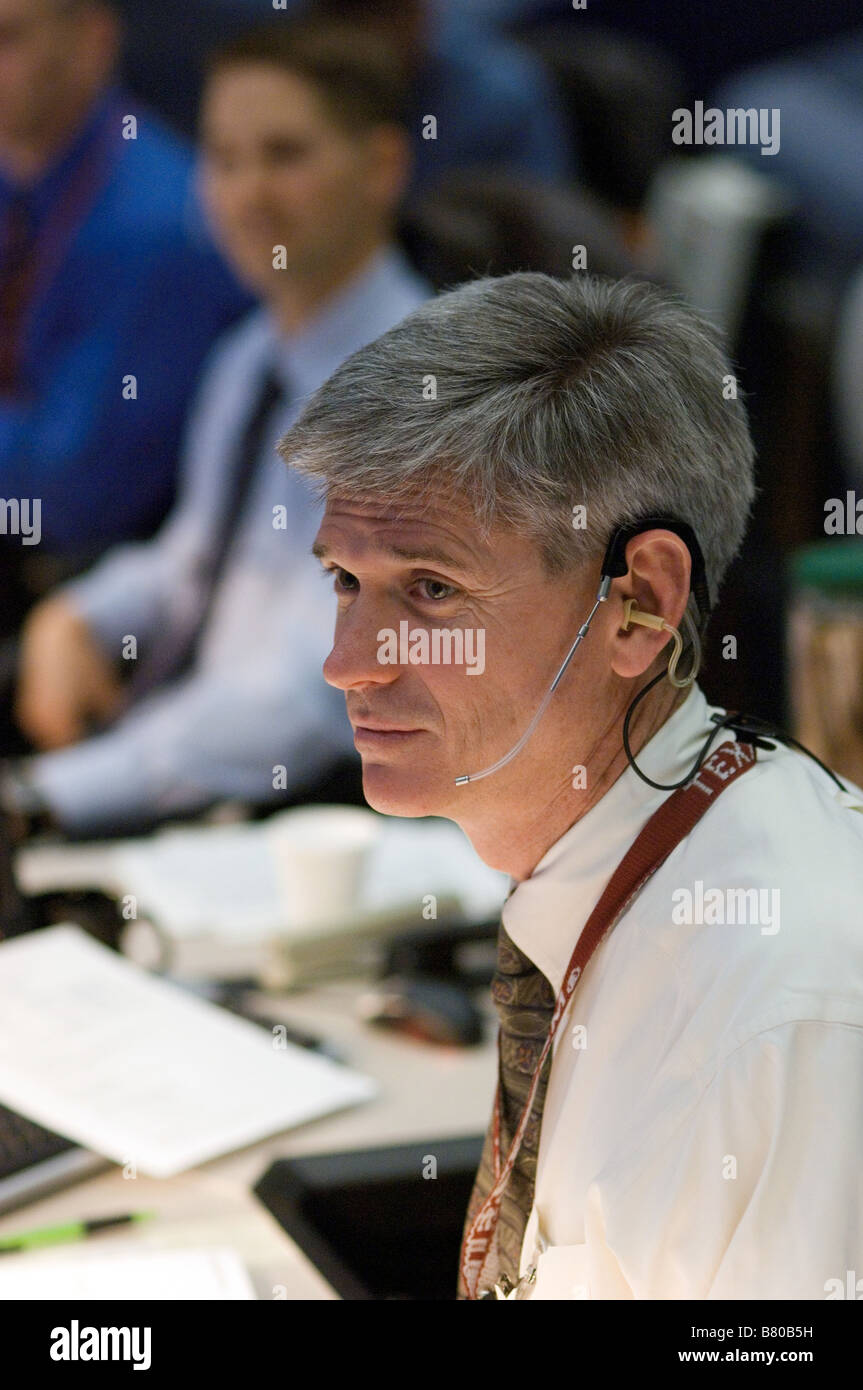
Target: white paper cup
[320,854]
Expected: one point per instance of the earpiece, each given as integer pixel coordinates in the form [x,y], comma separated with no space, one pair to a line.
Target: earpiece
[613,567]
[633,614]
[614,564]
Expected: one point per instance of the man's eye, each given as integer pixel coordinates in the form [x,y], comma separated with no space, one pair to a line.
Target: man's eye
[434,590]
[434,587]
[343,581]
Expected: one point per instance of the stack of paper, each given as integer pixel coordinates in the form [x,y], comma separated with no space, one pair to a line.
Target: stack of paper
[139,1070]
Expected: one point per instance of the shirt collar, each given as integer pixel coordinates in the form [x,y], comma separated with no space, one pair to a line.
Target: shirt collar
[544,914]
[383,290]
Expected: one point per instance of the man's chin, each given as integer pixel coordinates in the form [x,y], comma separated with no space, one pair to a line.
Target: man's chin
[399,792]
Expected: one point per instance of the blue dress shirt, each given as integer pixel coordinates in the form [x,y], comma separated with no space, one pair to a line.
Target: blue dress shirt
[128,284]
[255,697]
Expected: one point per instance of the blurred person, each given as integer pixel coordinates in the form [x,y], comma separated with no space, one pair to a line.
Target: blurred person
[493,101]
[818,91]
[111,292]
[680,966]
[504,222]
[494,105]
[305,157]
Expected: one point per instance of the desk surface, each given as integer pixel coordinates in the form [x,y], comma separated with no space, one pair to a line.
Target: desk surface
[425,1092]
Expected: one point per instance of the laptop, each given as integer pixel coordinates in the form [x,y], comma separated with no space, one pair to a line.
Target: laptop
[33,1160]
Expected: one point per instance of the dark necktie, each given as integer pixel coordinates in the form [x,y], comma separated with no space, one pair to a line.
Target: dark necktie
[177,653]
[16,274]
[525,1003]
[269,399]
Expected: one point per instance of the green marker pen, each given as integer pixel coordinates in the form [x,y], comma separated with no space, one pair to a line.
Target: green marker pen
[72,1230]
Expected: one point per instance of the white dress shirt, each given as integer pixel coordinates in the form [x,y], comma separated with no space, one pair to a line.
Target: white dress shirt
[255,698]
[702,1135]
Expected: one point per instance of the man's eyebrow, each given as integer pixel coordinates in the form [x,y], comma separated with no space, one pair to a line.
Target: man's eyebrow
[431,554]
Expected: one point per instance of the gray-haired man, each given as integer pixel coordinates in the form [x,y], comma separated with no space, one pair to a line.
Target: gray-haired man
[701,1109]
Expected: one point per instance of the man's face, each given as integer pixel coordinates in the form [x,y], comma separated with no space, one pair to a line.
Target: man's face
[419,726]
[37,52]
[277,171]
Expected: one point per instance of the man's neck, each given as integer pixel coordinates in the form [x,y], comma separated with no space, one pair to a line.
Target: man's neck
[296,303]
[26,159]
[516,845]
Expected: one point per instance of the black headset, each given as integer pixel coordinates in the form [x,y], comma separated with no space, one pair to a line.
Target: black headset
[746,727]
[614,564]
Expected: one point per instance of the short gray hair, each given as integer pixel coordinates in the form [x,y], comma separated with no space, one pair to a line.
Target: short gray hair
[530,396]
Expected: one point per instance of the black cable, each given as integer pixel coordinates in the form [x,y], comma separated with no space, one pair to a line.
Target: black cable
[661,786]
[746,725]
[749,727]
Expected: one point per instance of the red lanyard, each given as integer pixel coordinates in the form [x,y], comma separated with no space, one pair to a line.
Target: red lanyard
[670,824]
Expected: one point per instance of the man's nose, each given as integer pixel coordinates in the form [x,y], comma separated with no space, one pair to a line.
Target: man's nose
[353,660]
[252,189]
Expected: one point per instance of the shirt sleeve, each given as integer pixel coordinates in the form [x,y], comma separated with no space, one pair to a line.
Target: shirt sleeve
[220,733]
[757,1193]
[130,590]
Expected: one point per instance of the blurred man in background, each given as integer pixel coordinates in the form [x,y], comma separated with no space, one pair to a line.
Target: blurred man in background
[222,617]
[477,100]
[493,101]
[111,293]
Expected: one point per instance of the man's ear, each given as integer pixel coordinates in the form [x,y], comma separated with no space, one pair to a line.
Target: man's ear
[658,577]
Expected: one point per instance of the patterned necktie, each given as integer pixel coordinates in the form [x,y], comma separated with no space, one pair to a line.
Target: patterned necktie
[525,1003]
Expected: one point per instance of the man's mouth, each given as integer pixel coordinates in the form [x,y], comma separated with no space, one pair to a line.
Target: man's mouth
[373,733]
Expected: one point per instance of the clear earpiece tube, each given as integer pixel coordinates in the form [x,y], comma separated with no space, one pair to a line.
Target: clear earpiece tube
[695,663]
[602,595]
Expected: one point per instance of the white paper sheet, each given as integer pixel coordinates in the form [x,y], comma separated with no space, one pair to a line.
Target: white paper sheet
[149,1274]
[139,1070]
